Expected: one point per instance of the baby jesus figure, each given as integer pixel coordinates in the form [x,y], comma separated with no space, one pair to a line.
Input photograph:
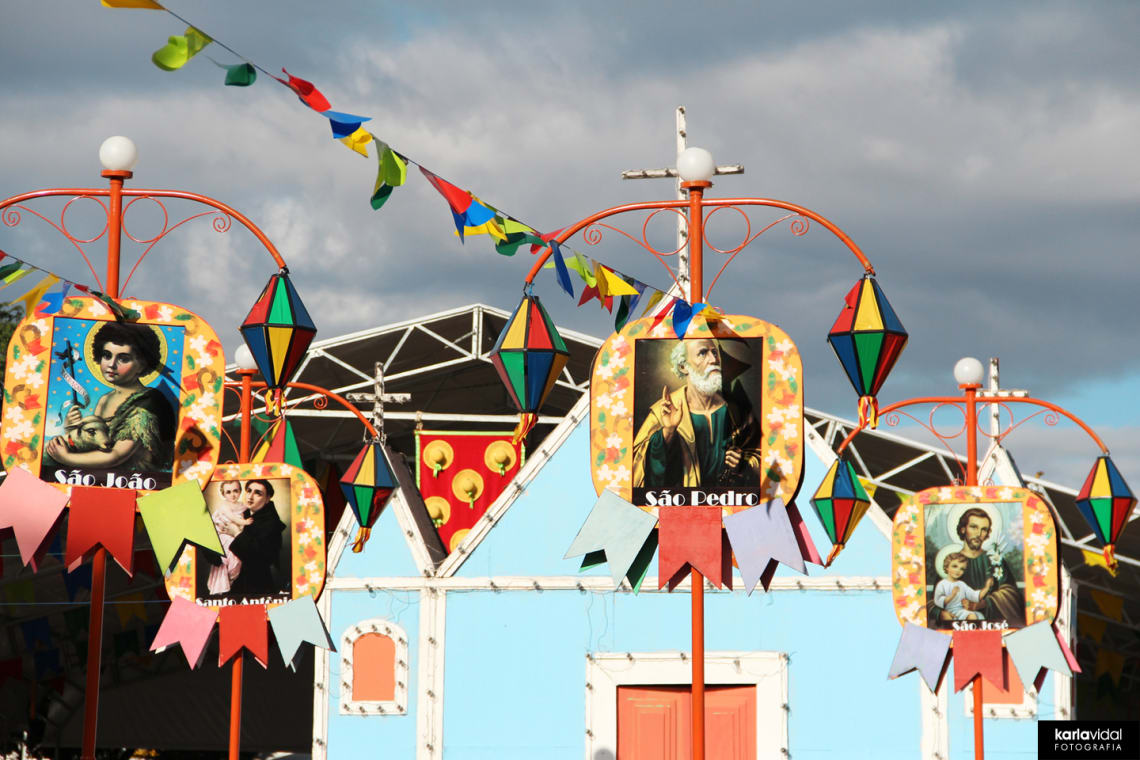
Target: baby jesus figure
[951,590]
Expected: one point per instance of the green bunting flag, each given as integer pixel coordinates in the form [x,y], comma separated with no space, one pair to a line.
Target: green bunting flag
[240,75]
[180,49]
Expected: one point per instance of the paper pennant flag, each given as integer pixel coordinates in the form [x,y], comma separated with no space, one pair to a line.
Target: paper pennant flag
[560,269]
[762,535]
[180,49]
[1069,656]
[1110,604]
[344,124]
[279,445]
[682,315]
[516,233]
[240,75]
[36,631]
[619,530]
[1110,663]
[977,653]
[31,508]
[130,607]
[692,537]
[1092,627]
[149,5]
[803,536]
[308,94]
[459,200]
[358,141]
[243,626]
[178,515]
[393,167]
[33,297]
[1097,559]
[921,649]
[295,622]
[1035,648]
[616,285]
[189,625]
[102,517]
[53,302]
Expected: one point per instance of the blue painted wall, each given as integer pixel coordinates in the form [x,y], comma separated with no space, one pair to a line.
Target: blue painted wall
[353,736]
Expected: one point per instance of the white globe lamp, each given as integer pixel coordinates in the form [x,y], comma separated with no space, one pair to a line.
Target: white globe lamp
[695,165]
[968,371]
[244,357]
[118,154]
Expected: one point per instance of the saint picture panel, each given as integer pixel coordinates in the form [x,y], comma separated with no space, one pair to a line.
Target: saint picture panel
[123,403]
[975,558]
[270,521]
[714,419]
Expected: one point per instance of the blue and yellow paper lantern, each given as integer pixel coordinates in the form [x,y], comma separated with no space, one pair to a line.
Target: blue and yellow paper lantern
[529,356]
[1106,502]
[367,485]
[278,331]
[868,339]
[840,502]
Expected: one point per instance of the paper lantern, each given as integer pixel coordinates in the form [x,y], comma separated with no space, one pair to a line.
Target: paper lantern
[840,502]
[367,484]
[868,339]
[529,356]
[278,331]
[1106,502]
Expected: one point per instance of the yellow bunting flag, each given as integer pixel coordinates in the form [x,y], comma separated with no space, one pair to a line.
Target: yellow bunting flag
[1110,604]
[32,298]
[146,5]
[654,299]
[1110,662]
[130,606]
[486,228]
[1096,559]
[616,286]
[1094,627]
[358,141]
[868,486]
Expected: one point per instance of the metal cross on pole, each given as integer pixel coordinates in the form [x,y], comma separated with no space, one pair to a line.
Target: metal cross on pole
[378,398]
[682,232]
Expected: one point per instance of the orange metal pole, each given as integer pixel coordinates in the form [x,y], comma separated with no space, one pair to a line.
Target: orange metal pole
[239,663]
[971,392]
[697,592]
[99,562]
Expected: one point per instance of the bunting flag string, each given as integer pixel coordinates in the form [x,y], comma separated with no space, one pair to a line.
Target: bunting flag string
[470,215]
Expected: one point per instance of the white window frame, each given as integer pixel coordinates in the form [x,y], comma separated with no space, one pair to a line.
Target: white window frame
[767,671]
[396,706]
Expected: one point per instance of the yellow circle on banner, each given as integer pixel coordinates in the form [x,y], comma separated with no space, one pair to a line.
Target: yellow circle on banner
[457,538]
[499,456]
[438,455]
[467,486]
[93,363]
[438,508]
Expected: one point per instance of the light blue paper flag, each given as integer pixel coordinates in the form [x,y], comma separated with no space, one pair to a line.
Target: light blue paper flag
[1033,648]
[923,649]
[344,124]
[619,529]
[760,536]
[295,622]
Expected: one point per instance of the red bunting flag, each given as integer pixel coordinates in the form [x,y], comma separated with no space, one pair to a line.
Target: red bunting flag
[978,653]
[459,200]
[692,537]
[306,91]
[243,626]
[105,517]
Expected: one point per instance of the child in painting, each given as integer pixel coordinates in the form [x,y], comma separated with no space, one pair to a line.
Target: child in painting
[140,420]
[951,590]
[227,518]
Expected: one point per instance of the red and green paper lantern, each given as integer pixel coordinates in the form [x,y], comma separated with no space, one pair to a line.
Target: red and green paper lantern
[529,356]
[868,339]
[367,485]
[840,502]
[1106,502]
[278,331]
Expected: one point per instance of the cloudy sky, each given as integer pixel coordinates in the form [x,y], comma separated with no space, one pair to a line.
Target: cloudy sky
[983,155]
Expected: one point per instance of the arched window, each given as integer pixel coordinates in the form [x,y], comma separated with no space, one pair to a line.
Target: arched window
[374,669]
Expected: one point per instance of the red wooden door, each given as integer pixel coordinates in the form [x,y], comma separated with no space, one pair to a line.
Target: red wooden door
[654,723]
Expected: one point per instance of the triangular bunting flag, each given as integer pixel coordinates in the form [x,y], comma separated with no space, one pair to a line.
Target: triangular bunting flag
[189,625]
[102,517]
[921,649]
[243,626]
[295,622]
[31,508]
[178,515]
[762,535]
[692,537]
[619,530]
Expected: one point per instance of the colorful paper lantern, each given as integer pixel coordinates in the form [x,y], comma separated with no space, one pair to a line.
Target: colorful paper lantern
[367,484]
[1106,502]
[840,502]
[529,356]
[278,331]
[868,339]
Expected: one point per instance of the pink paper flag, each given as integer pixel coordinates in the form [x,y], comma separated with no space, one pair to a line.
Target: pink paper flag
[31,508]
[1069,656]
[187,624]
[803,538]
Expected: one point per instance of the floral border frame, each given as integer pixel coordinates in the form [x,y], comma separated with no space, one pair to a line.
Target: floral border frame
[611,403]
[197,440]
[1040,554]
